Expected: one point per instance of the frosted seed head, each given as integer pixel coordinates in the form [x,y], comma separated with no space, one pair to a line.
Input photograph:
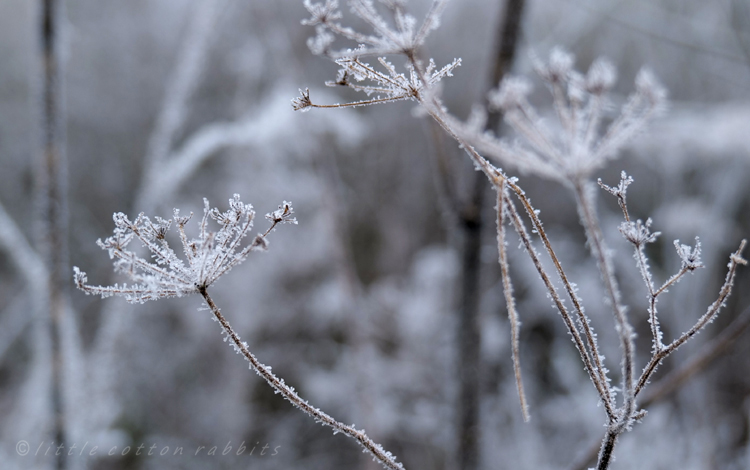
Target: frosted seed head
[511,94]
[79,277]
[164,274]
[600,77]
[638,233]
[260,243]
[321,12]
[559,66]
[284,214]
[576,87]
[690,257]
[647,85]
[302,103]
[321,42]
[181,220]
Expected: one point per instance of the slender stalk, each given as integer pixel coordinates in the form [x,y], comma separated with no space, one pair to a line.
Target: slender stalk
[734,261]
[470,224]
[590,366]
[710,352]
[509,300]
[642,263]
[361,103]
[624,329]
[608,447]
[593,361]
[506,44]
[376,450]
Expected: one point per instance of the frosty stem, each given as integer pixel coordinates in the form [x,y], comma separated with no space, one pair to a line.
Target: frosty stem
[509,299]
[377,451]
[624,329]
[586,347]
[571,160]
[734,261]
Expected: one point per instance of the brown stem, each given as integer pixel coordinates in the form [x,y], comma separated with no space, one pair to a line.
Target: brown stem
[726,289]
[679,376]
[624,329]
[377,451]
[608,447]
[509,299]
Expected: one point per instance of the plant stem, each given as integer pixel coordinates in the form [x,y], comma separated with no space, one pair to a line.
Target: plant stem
[377,451]
[624,329]
[608,446]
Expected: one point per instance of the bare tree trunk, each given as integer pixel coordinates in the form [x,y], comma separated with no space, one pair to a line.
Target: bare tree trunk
[51,192]
[471,222]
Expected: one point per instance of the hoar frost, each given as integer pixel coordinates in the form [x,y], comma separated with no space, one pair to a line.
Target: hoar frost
[207,257]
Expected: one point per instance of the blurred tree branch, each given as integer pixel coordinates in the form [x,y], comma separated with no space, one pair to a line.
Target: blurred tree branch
[52,195]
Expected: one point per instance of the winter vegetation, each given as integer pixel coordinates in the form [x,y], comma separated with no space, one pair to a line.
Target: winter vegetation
[412,296]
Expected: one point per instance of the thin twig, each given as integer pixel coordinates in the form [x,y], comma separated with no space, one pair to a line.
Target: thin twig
[377,451]
[656,392]
[569,322]
[509,300]
[734,261]
[624,329]
[593,362]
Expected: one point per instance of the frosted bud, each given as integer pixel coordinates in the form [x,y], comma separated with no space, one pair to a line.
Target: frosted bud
[638,233]
[600,77]
[560,64]
[321,12]
[284,214]
[690,257]
[647,85]
[477,119]
[302,103]
[576,91]
[512,92]
[321,41]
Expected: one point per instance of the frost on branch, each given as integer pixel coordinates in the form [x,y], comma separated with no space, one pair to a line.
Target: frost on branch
[390,85]
[206,258]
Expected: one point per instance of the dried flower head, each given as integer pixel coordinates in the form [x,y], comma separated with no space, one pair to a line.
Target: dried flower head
[207,257]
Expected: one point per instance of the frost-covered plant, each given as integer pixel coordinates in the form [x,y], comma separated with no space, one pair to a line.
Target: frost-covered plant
[207,258]
[575,149]
[569,154]
[404,39]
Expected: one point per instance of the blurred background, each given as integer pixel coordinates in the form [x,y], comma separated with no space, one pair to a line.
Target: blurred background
[359,306]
